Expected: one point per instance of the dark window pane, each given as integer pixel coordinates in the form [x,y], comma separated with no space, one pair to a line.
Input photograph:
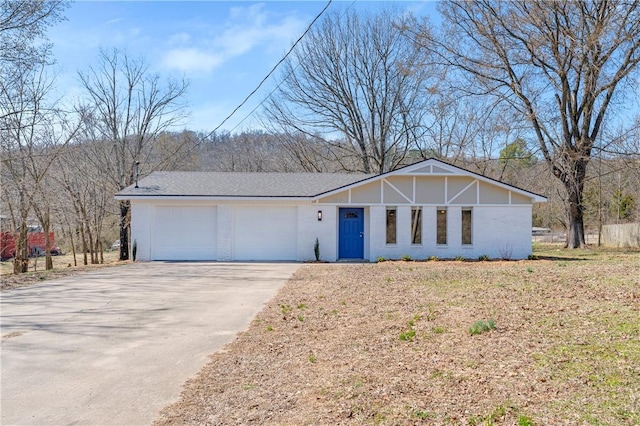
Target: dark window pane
[441,226]
[466,226]
[416,225]
[391,226]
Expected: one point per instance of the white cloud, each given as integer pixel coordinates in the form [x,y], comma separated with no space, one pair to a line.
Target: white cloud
[180,38]
[191,59]
[114,21]
[246,29]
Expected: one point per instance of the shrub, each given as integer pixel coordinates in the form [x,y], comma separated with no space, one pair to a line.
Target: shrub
[483,257]
[285,309]
[480,327]
[459,258]
[412,322]
[407,257]
[525,421]
[420,414]
[381,259]
[506,251]
[434,258]
[408,335]
[316,250]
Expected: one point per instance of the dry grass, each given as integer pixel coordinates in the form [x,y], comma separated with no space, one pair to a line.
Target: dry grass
[62,266]
[390,343]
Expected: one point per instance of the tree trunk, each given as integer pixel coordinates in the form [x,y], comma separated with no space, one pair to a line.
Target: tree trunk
[48,261]
[73,245]
[46,226]
[83,237]
[21,258]
[92,251]
[575,235]
[96,247]
[575,209]
[124,230]
[99,245]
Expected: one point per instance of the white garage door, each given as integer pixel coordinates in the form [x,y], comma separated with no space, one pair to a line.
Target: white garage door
[264,233]
[184,233]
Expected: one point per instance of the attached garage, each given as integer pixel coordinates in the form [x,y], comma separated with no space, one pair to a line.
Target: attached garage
[265,233]
[184,233]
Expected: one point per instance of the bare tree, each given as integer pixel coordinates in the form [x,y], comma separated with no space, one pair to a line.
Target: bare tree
[30,126]
[450,129]
[131,107]
[354,85]
[172,150]
[87,195]
[23,26]
[312,154]
[32,134]
[558,63]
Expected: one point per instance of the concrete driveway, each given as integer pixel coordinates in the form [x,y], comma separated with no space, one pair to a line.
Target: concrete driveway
[114,346]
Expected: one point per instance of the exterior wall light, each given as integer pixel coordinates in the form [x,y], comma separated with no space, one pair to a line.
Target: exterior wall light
[319,215]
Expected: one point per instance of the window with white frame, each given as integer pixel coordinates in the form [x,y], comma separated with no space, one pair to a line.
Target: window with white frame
[391,225]
[416,225]
[441,226]
[467,234]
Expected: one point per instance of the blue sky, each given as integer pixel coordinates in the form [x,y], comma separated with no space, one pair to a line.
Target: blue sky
[224,48]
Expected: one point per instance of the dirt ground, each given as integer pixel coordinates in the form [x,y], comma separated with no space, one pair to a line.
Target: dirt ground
[62,266]
[400,343]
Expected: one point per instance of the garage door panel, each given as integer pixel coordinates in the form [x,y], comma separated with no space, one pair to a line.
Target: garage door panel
[184,233]
[265,233]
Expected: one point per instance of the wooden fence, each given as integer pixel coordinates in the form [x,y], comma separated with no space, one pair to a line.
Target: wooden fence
[623,235]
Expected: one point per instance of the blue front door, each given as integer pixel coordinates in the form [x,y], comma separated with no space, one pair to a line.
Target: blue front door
[351,234]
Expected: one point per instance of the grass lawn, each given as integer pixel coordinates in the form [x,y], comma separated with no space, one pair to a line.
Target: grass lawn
[549,341]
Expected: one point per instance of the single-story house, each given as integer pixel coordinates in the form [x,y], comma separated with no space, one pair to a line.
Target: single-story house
[427,209]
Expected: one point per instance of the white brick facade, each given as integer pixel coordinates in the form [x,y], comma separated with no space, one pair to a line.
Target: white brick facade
[497,231]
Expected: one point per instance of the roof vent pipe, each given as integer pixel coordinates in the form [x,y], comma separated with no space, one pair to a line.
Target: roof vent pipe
[136,172]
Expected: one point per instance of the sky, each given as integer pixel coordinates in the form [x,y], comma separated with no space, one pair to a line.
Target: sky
[223,48]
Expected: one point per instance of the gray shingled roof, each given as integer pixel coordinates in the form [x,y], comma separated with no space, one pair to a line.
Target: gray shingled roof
[231,184]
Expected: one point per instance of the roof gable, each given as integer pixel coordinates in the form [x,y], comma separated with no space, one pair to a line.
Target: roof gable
[437,168]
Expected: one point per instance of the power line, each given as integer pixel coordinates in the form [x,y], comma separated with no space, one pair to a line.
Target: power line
[250,113]
[272,70]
